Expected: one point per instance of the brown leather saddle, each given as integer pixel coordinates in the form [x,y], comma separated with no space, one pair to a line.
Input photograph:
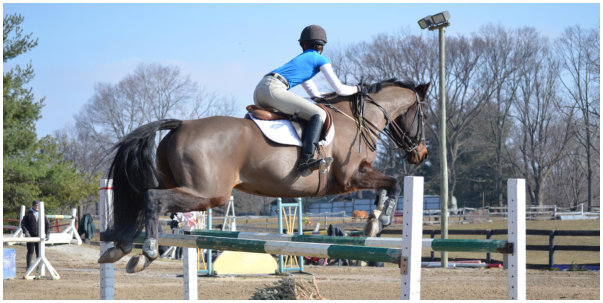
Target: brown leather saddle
[262,113]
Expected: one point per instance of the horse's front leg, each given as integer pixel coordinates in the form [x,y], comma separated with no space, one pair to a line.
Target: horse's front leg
[389,189]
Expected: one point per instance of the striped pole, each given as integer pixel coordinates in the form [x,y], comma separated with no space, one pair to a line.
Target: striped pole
[60,216]
[107,282]
[453,245]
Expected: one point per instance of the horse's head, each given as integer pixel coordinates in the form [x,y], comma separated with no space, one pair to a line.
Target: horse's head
[408,129]
[403,109]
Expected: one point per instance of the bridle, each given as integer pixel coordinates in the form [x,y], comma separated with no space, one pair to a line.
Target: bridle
[370,133]
[392,130]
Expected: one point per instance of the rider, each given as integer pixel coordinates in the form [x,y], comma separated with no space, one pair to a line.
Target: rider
[273,91]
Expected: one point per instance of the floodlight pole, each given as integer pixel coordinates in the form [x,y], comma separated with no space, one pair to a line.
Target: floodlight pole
[443,149]
[440,22]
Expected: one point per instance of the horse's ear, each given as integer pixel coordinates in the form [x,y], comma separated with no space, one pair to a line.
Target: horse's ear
[422,89]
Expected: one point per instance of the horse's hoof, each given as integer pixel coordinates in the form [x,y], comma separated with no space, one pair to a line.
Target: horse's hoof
[372,227]
[111,255]
[137,263]
[150,249]
[387,214]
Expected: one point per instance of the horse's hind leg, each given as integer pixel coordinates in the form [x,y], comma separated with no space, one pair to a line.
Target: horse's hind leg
[158,201]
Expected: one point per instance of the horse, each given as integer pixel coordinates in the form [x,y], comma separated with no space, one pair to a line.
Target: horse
[359,215]
[198,163]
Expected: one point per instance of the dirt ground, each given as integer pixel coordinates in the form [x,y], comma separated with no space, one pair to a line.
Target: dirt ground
[162,280]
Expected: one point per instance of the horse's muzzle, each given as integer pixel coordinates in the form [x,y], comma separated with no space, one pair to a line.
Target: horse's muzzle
[418,155]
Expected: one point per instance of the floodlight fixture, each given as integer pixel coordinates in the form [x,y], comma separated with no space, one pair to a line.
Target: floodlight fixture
[435,21]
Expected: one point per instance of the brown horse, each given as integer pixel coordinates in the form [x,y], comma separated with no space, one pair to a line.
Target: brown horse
[359,215]
[199,162]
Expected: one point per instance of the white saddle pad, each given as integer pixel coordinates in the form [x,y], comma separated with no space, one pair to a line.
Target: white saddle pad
[283,132]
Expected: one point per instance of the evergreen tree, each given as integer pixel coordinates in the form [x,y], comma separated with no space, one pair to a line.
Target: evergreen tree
[32,169]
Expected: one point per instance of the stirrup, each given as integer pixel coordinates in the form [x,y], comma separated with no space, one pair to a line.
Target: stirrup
[311,165]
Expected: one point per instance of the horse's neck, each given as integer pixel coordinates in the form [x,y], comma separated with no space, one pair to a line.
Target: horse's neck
[395,101]
[371,113]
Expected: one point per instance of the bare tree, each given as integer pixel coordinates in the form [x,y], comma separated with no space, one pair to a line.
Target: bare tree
[467,94]
[150,93]
[579,51]
[158,90]
[504,53]
[207,104]
[566,184]
[544,130]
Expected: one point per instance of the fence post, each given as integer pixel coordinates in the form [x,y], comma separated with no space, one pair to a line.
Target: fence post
[488,236]
[432,255]
[551,249]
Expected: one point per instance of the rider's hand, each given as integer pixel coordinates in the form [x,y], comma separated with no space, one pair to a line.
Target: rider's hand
[362,89]
[319,99]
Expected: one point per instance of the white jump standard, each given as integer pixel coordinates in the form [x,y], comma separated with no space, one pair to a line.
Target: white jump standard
[41,263]
[67,236]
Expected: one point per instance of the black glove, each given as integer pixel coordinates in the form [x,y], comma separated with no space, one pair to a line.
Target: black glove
[362,89]
[319,99]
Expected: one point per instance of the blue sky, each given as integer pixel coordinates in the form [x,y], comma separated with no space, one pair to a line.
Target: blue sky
[227,48]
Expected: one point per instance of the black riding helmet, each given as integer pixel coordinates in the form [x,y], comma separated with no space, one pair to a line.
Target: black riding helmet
[314,34]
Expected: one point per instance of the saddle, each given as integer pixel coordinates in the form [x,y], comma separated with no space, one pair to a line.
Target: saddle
[269,114]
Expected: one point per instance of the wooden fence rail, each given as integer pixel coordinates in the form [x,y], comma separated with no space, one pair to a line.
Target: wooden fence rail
[551,247]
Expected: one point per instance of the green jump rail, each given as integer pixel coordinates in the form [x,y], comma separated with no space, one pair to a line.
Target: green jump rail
[452,245]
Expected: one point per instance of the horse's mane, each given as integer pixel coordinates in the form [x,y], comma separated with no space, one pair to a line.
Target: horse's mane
[377,87]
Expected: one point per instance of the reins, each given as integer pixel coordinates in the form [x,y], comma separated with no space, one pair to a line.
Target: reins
[370,133]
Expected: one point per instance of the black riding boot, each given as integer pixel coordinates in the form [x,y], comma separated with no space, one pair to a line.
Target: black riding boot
[306,163]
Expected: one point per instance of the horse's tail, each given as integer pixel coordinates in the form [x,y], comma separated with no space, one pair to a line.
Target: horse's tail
[133,172]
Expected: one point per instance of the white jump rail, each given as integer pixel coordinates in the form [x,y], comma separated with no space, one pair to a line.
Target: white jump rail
[41,263]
